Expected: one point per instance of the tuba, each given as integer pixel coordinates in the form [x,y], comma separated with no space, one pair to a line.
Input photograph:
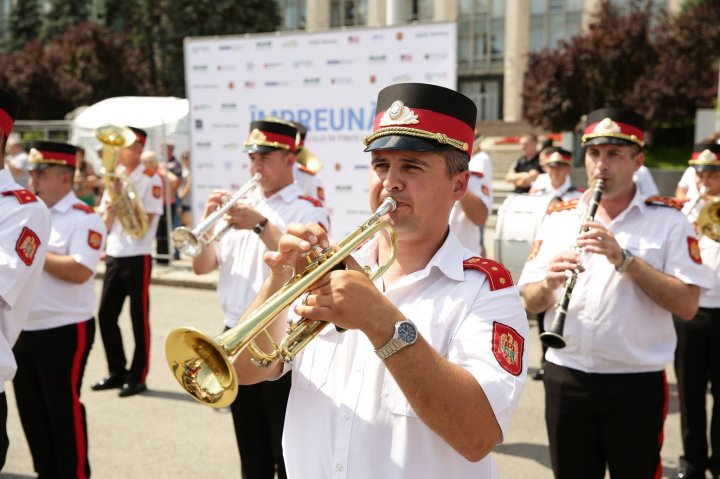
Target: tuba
[203,365]
[128,207]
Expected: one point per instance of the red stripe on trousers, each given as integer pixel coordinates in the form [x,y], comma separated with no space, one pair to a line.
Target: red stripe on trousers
[661,438]
[146,316]
[80,445]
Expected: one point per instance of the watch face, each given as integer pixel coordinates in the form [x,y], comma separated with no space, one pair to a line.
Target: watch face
[407,332]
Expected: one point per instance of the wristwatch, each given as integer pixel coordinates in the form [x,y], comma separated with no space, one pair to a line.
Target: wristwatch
[258,228]
[627,259]
[405,335]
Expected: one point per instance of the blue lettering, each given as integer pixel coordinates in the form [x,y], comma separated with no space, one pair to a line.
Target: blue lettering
[371,117]
[304,117]
[287,115]
[333,114]
[356,119]
[321,119]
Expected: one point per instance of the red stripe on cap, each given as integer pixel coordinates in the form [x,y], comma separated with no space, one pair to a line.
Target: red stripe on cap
[434,122]
[697,154]
[141,138]
[625,129]
[288,141]
[6,122]
[67,158]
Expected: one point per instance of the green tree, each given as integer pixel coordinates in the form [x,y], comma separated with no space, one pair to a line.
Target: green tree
[23,24]
[62,15]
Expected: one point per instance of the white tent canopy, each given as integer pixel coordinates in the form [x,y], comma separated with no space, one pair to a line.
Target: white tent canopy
[163,118]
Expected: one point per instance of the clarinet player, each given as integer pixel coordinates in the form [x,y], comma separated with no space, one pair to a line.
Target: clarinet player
[638,262]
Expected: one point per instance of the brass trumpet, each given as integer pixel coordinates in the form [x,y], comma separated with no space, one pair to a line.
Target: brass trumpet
[191,242]
[203,365]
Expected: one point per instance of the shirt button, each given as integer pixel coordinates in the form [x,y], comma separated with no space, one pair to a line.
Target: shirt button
[346,416]
[339,467]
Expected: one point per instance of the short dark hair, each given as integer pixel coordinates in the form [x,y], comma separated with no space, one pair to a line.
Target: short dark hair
[456,161]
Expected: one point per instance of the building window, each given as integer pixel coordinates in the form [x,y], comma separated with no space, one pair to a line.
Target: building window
[347,13]
[292,14]
[487,95]
[422,10]
[481,36]
[552,21]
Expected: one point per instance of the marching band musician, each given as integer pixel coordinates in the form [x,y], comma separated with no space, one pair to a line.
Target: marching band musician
[697,358]
[127,273]
[305,177]
[53,348]
[555,183]
[259,410]
[24,233]
[425,379]
[606,392]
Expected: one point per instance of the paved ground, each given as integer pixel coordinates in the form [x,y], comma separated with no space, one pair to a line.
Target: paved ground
[166,434]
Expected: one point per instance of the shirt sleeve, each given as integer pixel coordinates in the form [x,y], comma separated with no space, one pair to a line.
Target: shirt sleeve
[88,241]
[681,248]
[317,214]
[153,201]
[491,344]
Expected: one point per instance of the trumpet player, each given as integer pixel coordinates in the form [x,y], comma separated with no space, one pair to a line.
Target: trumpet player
[24,233]
[426,376]
[697,357]
[127,273]
[256,226]
[605,392]
[53,348]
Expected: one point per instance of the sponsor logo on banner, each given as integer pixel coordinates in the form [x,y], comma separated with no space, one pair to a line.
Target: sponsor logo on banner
[290,44]
[341,81]
[314,81]
[231,85]
[205,86]
[402,78]
[198,124]
[436,56]
[225,125]
[249,66]
[263,44]
[271,65]
[202,106]
[227,165]
[228,106]
[434,33]
[399,36]
[339,61]
[226,68]
[323,41]
[224,48]
[348,119]
[277,83]
[200,68]
[376,59]
[249,84]
[302,63]
[377,36]
[373,79]
[353,39]
[343,188]
[362,166]
[231,146]
[200,49]
[406,57]
[203,145]
[205,165]
[435,76]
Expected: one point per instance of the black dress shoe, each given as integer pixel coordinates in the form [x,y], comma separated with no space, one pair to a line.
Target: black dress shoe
[113,381]
[538,375]
[131,389]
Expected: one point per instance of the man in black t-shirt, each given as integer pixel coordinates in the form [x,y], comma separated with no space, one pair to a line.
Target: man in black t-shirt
[525,169]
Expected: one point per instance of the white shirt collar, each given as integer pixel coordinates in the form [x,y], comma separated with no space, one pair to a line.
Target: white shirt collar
[65,203]
[6,180]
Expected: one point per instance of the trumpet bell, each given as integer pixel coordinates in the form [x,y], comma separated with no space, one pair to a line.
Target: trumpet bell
[115,135]
[201,367]
[186,241]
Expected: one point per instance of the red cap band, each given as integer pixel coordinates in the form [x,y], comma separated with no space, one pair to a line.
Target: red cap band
[625,129]
[270,137]
[56,157]
[6,122]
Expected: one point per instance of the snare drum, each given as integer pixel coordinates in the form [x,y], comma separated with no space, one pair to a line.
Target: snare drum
[518,220]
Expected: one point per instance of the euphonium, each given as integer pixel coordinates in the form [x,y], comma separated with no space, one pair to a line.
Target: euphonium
[203,365]
[191,242]
[707,220]
[553,337]
[128,207]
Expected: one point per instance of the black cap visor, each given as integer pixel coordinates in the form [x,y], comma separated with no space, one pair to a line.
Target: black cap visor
[406,143]
[260,149]
[608,140]
[700,168]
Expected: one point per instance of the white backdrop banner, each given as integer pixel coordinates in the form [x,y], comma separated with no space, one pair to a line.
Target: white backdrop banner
[328,81]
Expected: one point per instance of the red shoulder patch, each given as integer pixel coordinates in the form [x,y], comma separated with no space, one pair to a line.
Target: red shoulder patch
[26,245]
[562,205]
[508,347]
[485,190]
[534,250]
[305,169]
[94,239]
[312,200]
[479,174]
[157,191]
[83,207]
[498,276]
[148,171]
[23,196]
[694,249]
[664,201]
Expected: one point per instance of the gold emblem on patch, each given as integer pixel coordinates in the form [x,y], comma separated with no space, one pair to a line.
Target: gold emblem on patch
[398,114]
[607,126]
[707,156]
[257,135]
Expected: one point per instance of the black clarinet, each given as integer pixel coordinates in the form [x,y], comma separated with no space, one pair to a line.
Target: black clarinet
[553,337]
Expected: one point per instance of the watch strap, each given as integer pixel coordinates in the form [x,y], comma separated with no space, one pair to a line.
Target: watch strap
[258,228]
[627,259]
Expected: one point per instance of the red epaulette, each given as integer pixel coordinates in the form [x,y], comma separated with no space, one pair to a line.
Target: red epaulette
[23,196]
[498,276]
[562,205]
[664,201]
[149,172]
[312,200]
[478,174]
[305,169]
[83,207]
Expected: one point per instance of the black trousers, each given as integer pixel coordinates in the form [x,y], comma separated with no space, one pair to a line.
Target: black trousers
[697,361]
[596,421]
[126,277]
[51,364]
[4,440]
[259,415]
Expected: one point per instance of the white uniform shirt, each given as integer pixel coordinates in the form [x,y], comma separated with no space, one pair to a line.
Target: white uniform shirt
[611,325]
[20,161]
[544,188]
[645,182]
[149,188]
[80,233]
[710,252]
[480,185]
[240,252]
[688,181]
[24,232]
[309,183]
[346,416]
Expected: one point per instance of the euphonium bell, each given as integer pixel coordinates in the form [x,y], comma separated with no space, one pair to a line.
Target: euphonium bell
[203,365]
[708,219]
